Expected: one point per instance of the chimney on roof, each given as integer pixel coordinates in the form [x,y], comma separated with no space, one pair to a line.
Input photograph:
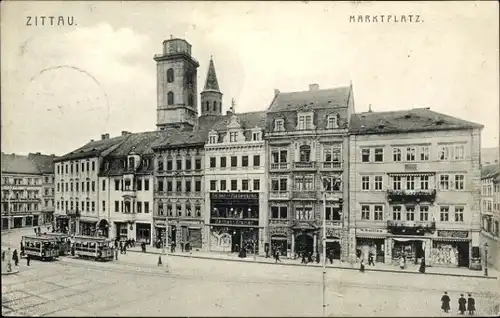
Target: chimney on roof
[38,153]
[53,155]
[369,108]
[91,140]
[126,133]
[105,136]
[313,87]
[276,91]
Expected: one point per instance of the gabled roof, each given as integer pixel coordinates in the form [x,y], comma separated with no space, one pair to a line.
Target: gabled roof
[413,120]
[12,163]
[44,163]
[92,149]
[140,143]
[490,171]
[312,99]
[247,120]
[211,83]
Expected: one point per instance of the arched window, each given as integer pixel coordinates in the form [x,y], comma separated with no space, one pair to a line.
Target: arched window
[190,100]
[207,107]
[170,98]
[215,106]
[170,75]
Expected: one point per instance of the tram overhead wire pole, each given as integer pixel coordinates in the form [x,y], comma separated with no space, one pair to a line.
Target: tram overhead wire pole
[323,283]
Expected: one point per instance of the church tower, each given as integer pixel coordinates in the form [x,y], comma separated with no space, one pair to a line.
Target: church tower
[211,97]
[177,97]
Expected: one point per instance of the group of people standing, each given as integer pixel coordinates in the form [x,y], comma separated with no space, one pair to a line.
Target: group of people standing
[464,305]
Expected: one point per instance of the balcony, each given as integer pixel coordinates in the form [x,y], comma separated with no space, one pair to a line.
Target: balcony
[305,224]
[304,166]
[411,227]
[128,192]
[304,194]
[273,195]
[331,166]
[336,223]
[411,196]
[279,166]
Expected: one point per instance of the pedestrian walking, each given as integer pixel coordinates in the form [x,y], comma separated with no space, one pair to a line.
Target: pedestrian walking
[28,259]
[3,256]
[317,257]
[15,258]
[159,261]
[370,259]
[471,304]
[309,257]
[402,262]
[461,304]
[22,248]
[303,261]
[445,302]
[422,266]
[116,253]
[277,256]
[362,266]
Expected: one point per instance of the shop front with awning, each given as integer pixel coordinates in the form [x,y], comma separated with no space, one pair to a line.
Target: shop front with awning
[371,241]
[87,226]
[451,248]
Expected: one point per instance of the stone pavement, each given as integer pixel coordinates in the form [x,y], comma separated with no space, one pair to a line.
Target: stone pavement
[447,271]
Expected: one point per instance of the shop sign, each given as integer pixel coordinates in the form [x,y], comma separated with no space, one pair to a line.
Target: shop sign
[235,222]
[453,234]
[234,196]
[382,231]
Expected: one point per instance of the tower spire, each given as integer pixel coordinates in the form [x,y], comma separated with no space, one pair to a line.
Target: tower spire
[211,83]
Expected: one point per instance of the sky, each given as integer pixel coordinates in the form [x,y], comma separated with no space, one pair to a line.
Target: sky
[64,85]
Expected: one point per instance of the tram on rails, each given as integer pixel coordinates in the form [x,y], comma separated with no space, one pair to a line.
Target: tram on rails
[64,242]
[41,247]
[94,248]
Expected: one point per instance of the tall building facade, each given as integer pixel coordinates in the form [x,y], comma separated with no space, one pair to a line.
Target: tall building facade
[23,186]
[176,85]
[414,187]
[235,184]
[76,185]
[178,197]
[306,140]
[490,212]
[45,164]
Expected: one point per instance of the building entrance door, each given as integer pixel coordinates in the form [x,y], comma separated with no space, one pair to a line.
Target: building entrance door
[304,243]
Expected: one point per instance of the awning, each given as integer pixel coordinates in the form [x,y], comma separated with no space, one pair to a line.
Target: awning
[195,227]
[87,220]
[278,238]
[370,236]
[452,239]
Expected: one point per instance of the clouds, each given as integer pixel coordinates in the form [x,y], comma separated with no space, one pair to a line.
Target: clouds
[257,47]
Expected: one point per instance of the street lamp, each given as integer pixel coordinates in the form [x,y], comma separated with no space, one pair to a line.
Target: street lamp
[9,257]
[486,259]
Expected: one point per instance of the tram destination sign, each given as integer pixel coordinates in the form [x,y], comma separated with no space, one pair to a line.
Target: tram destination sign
[226,221]
[234,196]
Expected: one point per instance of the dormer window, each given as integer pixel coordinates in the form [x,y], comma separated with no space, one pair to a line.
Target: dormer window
[106,165]
[145,163]
[131,163]
[333,121]
[256,136]
[233,136]
[305,122]
[213,139]
[279,125]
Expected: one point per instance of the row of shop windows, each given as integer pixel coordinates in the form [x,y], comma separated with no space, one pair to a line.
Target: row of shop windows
[178,186]
[178,210]
[245,185]
[245,161]
[73,167]
[178,164]
[235,211]
[20,207]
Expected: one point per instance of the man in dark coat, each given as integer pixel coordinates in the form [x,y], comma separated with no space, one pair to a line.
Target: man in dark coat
[445,302]
[461,304]
[471,305]
[15,258]
[28,259]
[362,266]
[370,259]
[422,266]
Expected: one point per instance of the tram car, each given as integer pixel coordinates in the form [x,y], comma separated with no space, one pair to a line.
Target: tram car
[64,242]
[94,248]
[41,247]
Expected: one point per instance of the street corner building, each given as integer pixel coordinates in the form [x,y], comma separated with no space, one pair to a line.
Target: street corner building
[27,190]
[415,187]
[490,212]
[391,184]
